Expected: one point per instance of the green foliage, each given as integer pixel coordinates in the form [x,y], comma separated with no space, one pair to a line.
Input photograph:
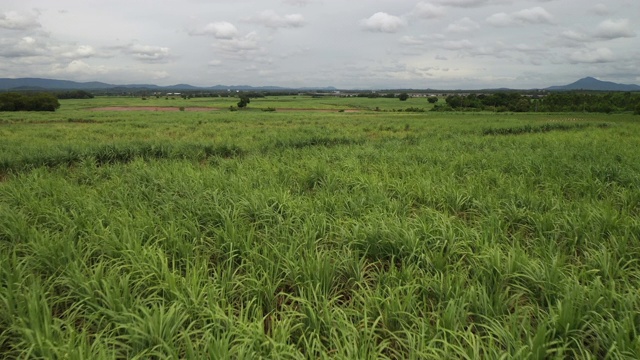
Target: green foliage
[244,101]
[432,99]
[528,129]
[403,96]
[552,102]
[414,109]
[318,234]
[28,102]
[74,94]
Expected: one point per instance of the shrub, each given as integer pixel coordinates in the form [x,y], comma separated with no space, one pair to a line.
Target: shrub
[28,102]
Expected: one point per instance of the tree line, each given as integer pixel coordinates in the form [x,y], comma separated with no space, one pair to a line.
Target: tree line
[12,101]
[553,102]
[74,94]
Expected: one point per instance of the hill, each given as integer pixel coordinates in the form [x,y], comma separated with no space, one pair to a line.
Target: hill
[21,84]
[593,84]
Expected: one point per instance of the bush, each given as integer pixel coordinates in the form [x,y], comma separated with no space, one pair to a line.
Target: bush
[28,102]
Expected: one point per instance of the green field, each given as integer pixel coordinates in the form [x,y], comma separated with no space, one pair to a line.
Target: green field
[317,234]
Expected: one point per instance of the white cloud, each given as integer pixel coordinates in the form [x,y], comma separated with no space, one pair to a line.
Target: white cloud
[78,67]
[383,22]
[467,3]
[23,47]
[219,30]
[82,51]
[457,45]
[600,9]
[590,56]
[159,75]
[148,53]
[271,19]
[611,29]
[427,10]
[536,15]
[241,48]
[463,25]
[14,21]
[574,36]
[411,41]
[297,2]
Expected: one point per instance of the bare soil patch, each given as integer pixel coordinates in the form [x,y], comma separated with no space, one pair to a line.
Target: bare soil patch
[170,108]
[318,110]
[152,108]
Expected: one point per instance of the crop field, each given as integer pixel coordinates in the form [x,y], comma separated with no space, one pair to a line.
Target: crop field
[345,233]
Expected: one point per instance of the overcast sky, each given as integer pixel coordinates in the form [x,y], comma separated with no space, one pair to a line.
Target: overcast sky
[444,44]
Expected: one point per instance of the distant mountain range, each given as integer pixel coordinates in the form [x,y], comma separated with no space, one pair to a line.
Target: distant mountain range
[51,84]
[588,83]
[594,84]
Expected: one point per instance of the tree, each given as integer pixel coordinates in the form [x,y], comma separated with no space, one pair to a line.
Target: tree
[244,101]
[28,102]
[403,97]
[432,100]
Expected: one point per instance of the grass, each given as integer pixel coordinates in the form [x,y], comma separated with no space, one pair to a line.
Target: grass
[318,235]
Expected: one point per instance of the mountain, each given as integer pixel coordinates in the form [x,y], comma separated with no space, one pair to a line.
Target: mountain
[594,84]
[37,83]
[51,84]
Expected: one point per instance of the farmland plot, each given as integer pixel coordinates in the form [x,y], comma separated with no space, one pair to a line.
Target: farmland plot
[318,235]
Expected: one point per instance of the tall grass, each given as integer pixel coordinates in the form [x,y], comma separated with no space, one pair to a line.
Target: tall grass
[336,238]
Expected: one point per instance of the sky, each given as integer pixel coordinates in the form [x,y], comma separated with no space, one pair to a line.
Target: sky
[357,44]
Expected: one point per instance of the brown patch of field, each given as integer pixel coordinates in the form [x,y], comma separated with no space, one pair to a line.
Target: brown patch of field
[152,108]
[318,110]
[170,108]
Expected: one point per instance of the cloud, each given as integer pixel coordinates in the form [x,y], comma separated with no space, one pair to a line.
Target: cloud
[271,19]
[589,56]
[82,51]
[411,41]
[426,10]
[536,15]
[574,36]
[463,25]
[78,67]
[13,21]
[611,29]
[297,2]
[22,47]
[600,9]
[457,45]
[383,22]
[148,53]
[219,30]
[241,48]
[467,3]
